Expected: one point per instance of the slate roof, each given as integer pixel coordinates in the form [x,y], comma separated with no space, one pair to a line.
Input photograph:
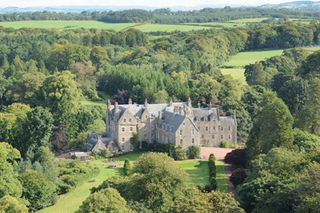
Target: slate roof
[210,114]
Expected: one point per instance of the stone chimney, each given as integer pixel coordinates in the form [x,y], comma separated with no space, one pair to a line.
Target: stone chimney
[145,103]
[130,101]
[199,105]
[210,105]
[189,102]
[170,102]
[116,106]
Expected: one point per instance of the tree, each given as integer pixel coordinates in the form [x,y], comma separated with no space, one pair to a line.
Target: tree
[223,202]
[37,130]
[37,189]
[10,204]
[309,116]
[106,200]
[9,183]
[193,152]
[61,96]
[127,167]
[272,128]
[205,89]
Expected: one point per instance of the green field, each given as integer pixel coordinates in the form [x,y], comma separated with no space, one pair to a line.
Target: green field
[236,73]
[52,24]
[250,57]
[197,174]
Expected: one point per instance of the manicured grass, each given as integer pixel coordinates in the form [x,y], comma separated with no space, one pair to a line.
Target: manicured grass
[71,201]
[197,171]
[250,57]
[221,177]
[236,73]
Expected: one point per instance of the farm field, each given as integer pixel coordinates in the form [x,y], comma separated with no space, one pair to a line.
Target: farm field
[52,24]
[250,57]
[197,174]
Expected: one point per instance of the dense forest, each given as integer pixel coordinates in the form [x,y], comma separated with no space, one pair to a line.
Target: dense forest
[45,74]
[164,16]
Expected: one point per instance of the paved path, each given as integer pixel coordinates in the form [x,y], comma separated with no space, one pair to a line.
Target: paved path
[220,154]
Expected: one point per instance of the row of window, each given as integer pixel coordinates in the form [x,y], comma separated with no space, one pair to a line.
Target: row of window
[130,129]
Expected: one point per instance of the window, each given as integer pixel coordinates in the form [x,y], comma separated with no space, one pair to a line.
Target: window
[229,136]
[212,136]
[199,127]
[193,140]
[124,120]
[202,136]
[123,139]
[221,128]
[229,128]
[181,141]
[131,129]
[221,136]
[123,129]
[214,128]
[207,129]
[130,120]
[180,131]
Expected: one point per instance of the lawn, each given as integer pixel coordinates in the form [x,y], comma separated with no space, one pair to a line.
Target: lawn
[197,173]
[250,57]
[249,20]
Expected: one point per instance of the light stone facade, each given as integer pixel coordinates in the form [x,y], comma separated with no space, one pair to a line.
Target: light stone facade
[178,124]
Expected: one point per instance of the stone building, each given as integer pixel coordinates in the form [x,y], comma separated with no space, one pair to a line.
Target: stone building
[178,124]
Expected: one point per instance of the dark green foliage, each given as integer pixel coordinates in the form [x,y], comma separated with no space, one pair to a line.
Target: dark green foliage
[37,190]
[212,172]
[36,132]
[193,152]
[127,167]
[236,157]
[272,128]
[238,176]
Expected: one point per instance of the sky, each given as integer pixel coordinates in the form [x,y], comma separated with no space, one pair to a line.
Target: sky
[126,3]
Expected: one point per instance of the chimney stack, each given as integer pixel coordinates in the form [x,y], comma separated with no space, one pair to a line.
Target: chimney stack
[130,101]
[199,105]
[189,102]
[116,106]
[145,102]
[170,103]
[108,104]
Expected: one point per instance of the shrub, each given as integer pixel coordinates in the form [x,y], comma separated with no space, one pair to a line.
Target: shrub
[225,144]
[238,176]
[193,152]
[127,167]
[12,205]
[236,157]
[178,153]
[212,172]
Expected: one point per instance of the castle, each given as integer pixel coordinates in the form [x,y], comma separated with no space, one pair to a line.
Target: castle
[178,124]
